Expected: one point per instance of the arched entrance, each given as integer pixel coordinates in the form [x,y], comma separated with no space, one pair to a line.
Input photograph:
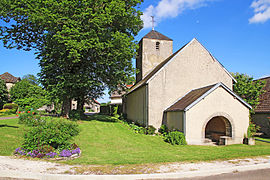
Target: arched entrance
[216,127]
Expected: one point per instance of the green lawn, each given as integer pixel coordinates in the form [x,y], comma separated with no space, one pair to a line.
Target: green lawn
[106,142]
[11,136]
[264,139]
[11,115]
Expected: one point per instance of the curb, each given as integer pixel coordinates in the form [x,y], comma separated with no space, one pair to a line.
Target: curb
[189,174]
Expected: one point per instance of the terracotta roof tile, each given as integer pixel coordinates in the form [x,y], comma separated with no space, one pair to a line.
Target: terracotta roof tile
[8,78]
[156,35]
[264,105]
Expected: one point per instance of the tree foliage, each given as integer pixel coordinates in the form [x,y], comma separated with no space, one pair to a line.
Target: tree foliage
[83,46]
[31,78]
[248,89]
[3,93]
[26,94]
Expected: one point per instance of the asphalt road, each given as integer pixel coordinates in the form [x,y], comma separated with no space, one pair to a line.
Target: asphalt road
[261,174]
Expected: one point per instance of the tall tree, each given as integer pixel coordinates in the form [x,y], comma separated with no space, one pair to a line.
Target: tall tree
[24,93]
[248,89]
[84,46]
[3,93]
[31,78]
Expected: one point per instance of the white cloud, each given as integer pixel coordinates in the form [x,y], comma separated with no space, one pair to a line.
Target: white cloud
[261,11]
[169,9]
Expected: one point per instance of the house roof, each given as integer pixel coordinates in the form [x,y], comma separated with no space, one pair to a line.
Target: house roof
[8,78]
[120,93]
[96,101]
[264,105]
[159,67]
[195,96]
[156,35]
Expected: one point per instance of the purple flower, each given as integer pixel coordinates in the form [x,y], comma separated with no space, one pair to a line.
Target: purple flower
[20,151]
[76,151]
[35,152]
[65,153]
[31,154]
[51,154]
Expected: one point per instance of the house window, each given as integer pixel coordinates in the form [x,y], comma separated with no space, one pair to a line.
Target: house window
[157,45]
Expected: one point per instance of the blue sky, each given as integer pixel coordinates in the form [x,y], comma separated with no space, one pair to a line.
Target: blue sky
[237,33]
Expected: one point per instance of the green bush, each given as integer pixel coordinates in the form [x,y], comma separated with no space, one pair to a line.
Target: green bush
[252,129]
[175,138]
[163,129]
[151,130]
[142,130]
[29,118]
[76,115]
[11,106]
[8,111]
[55,132]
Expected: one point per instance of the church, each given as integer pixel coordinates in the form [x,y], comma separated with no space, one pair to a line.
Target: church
[189,91]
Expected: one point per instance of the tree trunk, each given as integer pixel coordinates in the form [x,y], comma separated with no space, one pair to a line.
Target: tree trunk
[80,103]
[66,106]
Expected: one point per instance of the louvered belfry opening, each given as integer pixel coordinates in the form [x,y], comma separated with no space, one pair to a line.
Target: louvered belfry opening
[218,126]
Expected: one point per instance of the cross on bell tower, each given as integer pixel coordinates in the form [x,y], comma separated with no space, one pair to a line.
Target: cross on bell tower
[153,22]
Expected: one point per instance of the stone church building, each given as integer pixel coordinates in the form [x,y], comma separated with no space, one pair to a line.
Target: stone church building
[188,90]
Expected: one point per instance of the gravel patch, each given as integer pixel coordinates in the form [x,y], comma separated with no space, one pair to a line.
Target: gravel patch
[13,165]
[33,166]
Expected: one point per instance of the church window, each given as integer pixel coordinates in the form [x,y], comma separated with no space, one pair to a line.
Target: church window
[157,45]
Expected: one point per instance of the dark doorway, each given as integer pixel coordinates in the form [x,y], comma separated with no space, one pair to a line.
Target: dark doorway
[216,127]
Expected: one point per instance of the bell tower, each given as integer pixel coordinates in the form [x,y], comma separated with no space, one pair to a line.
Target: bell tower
[154,48]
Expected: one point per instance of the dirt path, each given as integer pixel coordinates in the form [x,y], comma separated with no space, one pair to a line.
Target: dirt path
[13,165]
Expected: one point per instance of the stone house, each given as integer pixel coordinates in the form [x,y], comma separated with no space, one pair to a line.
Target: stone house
[90,106]
[9,79]
[116,96]
[262,111]
[188,90]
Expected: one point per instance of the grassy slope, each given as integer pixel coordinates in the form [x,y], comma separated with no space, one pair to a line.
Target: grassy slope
[11,136]
[113,143]
[4,115]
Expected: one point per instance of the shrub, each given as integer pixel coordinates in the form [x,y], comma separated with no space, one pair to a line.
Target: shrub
[175,137]
[29,118]
[142,130]
[151,130]
[5,111]
[252,129]
[11,106]
[76,115]
[163,129]
[55,132]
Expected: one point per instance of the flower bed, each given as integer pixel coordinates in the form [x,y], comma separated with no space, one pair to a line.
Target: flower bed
[62,155]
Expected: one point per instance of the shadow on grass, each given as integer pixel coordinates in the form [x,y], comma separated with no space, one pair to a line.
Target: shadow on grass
[5,125]
[100,117]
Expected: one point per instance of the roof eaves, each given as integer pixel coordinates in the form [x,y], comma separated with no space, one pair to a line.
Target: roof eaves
[178,100]
[135,87]
[202,97]
[211,90]
[239,98]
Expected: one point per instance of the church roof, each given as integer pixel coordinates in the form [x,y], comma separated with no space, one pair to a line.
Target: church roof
[156,35]
[264,104]
[195,96]
[148,77]
[8,78]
